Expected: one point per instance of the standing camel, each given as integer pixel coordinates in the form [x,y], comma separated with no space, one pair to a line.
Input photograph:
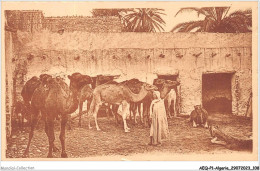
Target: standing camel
[28,90]
[168,91]
[116,94]
[86,93]
[103,79]
[55,98]
[135,86]
[170,103]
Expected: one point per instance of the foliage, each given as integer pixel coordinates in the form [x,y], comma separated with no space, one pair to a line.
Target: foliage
[136,20]
[144,20]
[217,20]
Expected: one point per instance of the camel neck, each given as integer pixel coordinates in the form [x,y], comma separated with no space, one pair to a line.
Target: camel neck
[137,97]
[72,103]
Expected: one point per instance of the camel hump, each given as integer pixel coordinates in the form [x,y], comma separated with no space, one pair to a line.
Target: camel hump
[64,87]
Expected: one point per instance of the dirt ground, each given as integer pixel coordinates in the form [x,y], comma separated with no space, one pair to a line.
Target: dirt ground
[112,140]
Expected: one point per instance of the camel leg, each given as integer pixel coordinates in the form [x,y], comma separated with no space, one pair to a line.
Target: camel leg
[88,109]
[194,124]
[34,121]
[64,120]
[80,112]
[140,114]
[206,125]
[23,121]
[134,112]
[173,108]
[90,113]
[107,111]
[131,111]
[114,111]
[50,124]
[89,125]
[95,116]
[167,108]
[146,113]
[88,105]
[55,149]
[124,111]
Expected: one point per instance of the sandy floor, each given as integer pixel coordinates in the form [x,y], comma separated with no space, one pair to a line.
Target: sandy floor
[112,142]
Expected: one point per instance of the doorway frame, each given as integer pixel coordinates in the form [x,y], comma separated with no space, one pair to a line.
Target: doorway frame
[234,98]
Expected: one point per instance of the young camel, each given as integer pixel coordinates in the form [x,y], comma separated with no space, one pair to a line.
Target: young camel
[54,98]
[116,94]
[86,92]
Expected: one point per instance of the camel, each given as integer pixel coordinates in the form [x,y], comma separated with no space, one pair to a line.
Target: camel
[102,79]
[86,93]
[135,86]
[54,98]
[116,94]
[28,90]
[27,93]
[199,116]
[229,141]
[168,91]
[170,103]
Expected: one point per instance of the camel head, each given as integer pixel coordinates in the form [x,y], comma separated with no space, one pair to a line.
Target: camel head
[102,79]
[167,86]
[159,83]
[34,78]
[44,78]
[77,80]
[149,87]
[171,84]
[198,109]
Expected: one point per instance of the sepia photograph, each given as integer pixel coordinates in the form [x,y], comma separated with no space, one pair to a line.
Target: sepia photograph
[140,81]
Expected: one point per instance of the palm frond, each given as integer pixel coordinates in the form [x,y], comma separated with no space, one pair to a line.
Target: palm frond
[182,27]
[188,9]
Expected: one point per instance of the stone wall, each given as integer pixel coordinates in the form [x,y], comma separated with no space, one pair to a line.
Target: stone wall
[143,55]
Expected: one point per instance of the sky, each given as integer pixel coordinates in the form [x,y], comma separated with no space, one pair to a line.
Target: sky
[84,8]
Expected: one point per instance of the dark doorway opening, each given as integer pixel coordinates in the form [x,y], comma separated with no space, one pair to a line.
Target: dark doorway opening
[168,77]
[216,92]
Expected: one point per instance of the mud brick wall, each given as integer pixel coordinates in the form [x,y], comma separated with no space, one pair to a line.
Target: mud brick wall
[34,20]
[88,24]
[143,55]
[24,20]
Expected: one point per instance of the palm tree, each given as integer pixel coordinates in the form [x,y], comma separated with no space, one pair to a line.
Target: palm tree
[217,20]
[144,20]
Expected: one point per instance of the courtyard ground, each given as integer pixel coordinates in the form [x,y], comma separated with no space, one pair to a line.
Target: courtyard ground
[112,140]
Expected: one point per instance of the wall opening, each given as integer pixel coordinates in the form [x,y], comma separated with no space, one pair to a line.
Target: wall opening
[216,92]
[168,77]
